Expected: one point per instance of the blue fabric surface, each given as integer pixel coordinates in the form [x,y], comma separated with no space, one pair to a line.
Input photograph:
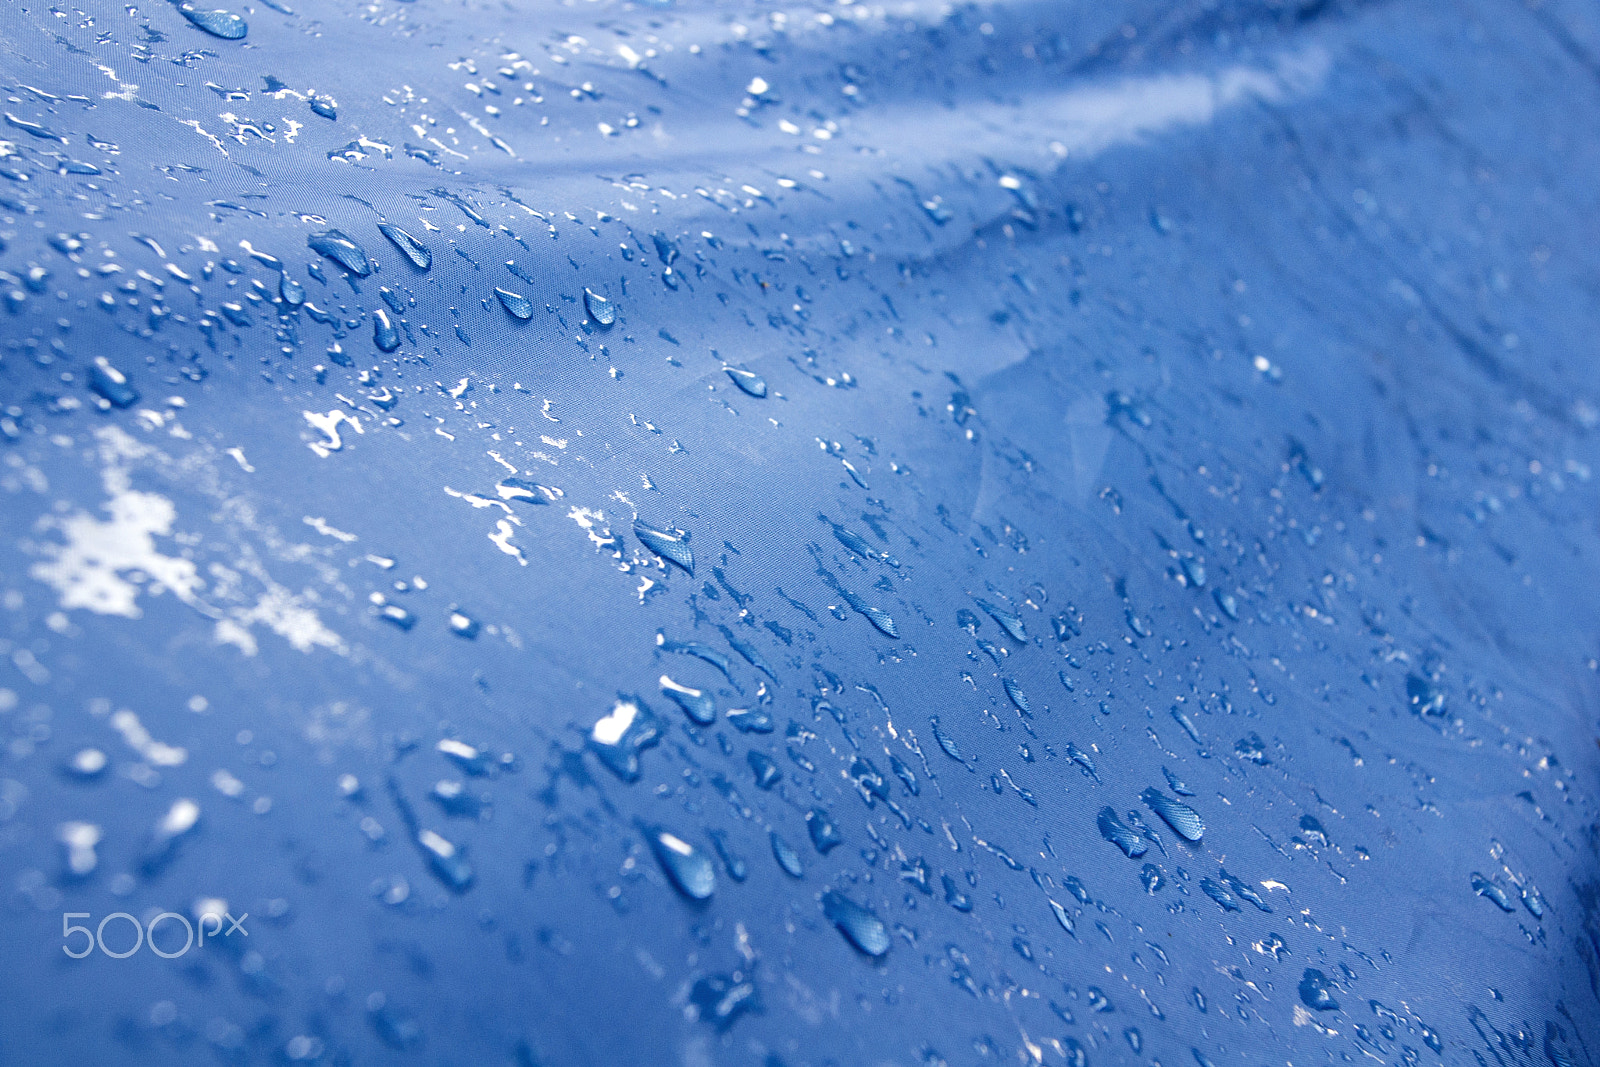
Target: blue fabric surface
[822,534]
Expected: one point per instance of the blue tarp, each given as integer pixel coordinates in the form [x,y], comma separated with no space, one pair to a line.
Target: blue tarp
[830,533]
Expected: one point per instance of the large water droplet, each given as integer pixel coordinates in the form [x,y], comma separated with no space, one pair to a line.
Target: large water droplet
[1117,832]
[111,385]
[384,332]
[224,24]
[696,703]
[786,856]
[342,250]
[689,868]
[748,381]
[1011,624]
[860,927]
[409,246]
[1487,889]
[621,736]
[671,546]
[1176,814]
[1316,992]
[750,720]
[824,834]
[953,895]
[601,310]
[518,305]
[766,771]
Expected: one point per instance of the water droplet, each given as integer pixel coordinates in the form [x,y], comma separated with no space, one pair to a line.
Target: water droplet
[601,310]
[87,763]
[224,24]
[342,250]
[860,927]
[446,860]
[722,998]
[1252,748]
[384,332]
[945,743]
[1181,817]
[1425,697]
[953,895]
[696,649]
[689,869]
[1316,992]
[1533,901]
[1219,893]
[1063,918]
[180,821]
[881,620]
[786,856]
[1137,624]
[518,305]
[620,737]
[322,105]
[765,770]
[666,250]
[291,291]
[413,249]
[1011,624]
[111,385]
[1242,889]
[907,777]
[748,381]
[696,703]
[1018,697]
[1487,889]
[732,863]
[456,801]
[1117,832]
[915,873]
[824,834]
[671,546]
[750,720]
[470,759]
[868,780]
